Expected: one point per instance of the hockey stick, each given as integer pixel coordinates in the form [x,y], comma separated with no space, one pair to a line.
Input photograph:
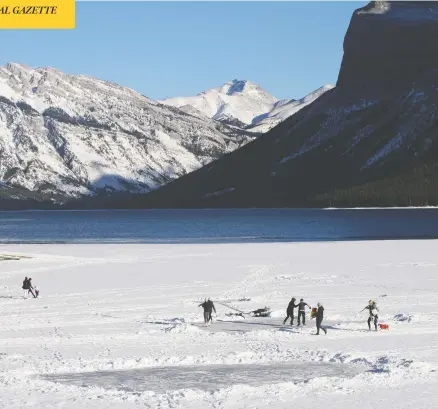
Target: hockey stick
[235,309]
[380,296]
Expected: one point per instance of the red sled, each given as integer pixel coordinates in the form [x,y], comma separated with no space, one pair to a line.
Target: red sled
[384,326]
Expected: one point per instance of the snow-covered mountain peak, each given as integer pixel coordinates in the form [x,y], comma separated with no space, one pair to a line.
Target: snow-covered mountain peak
[240,88]
[239,100]
[236,86]
[245,104]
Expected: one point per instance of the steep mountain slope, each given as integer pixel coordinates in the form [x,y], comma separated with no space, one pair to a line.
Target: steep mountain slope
[379,122]
[75,135]
[244,105]
[284,110]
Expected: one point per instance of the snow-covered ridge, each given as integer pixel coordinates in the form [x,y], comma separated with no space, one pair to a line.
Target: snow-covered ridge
[286,108]
[402,11]
[241,100]
[245,102]
[75,135]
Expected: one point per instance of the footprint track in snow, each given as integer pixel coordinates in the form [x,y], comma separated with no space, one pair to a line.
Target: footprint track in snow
[258,274]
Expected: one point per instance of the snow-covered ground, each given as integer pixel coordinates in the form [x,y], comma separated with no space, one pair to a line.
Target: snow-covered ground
[132,312]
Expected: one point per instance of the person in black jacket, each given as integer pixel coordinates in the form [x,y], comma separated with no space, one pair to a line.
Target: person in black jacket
[290,312]
[208,307]
[302,312]
[319,318]
[25,287]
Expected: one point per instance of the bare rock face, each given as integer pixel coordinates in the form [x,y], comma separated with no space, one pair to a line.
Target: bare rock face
[389,45]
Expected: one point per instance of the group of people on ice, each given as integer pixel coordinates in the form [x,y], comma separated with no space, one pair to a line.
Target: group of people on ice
[28,288]
[301,306]
[317,313]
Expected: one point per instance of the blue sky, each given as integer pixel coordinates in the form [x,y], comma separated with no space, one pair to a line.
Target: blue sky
[165,49]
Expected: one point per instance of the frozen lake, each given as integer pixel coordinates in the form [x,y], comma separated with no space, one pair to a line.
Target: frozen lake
[119,326]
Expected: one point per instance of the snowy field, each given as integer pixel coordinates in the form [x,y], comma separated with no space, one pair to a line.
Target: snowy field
[118,326]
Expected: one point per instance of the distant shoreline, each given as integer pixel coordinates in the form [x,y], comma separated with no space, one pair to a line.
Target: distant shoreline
[219,208]
[380,208]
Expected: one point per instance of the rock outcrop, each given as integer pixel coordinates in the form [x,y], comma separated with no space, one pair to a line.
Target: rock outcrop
[389,45]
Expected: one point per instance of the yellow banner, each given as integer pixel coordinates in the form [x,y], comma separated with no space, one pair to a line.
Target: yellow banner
[37,14]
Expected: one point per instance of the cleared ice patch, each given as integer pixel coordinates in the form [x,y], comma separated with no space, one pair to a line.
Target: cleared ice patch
[205,378]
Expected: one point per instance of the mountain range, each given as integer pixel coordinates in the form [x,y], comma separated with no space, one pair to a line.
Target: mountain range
[63,136]
[71,135]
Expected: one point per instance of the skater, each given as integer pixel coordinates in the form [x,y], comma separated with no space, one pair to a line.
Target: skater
[208,307]
[372,308]
[319,318]
[302,312]
[290,311]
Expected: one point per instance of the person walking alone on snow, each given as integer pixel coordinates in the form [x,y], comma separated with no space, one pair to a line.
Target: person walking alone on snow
[302,312]
[290,312]
[319,318]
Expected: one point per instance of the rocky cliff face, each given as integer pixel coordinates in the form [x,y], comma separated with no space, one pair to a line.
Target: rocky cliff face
[380,121]
[389,45]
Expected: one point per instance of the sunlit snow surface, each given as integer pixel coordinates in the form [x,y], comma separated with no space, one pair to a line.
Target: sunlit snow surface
[134,308]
